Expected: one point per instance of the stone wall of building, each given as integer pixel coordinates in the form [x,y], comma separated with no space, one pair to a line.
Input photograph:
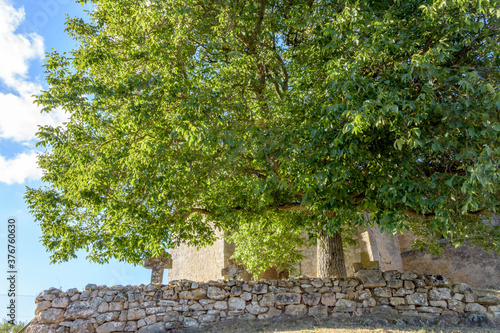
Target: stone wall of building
[186,304]
[465,263]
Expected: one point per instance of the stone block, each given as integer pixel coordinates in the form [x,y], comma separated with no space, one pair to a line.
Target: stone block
[60,302]
[417,299]
[475,308]
[436,280]
[79,310]
[409,276]
[43,305]
[344,305]
[220,305]
[311,299]
[371,278]
[51,316]
[255,309]
[439,304]
[287,298]
[236,304]
[216,293]
[437,294]
[485,300]
[457,306]
[396,284]
[272,312]
[397,301]
[195,294]
[267,300]
[260,288]
[296,310]
[318,311]
[114,326]
[154,328]
[190,322]
[135,314]
[328,299]
[382,292]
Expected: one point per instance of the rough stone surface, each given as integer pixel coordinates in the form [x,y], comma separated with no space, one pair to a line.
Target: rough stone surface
[185,304]
[371,278]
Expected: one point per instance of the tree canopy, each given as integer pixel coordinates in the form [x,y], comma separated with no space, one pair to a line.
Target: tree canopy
[292,116]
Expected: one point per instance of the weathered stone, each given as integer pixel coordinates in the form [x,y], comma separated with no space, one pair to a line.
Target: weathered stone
[456,306]
[220,305]
[397,301]
[439,304]
[79,310]
[296,310]
[365,294]
[81,326]
[408,276]
[478,320]
[436,280]
[488,300]
[236,303]
[171,316]
[114,326]
[193,294]
[328,299]
[287,298]
[476,308]
[115,306]
[311,299]
[51,316]
[369,302]
[60,302]
[153,328]
[255,309]
[470,297]
[207,318]
[462,288]
[344,305]
[108,316]
[260,288]
[272,312]
[236,291]
[267,300]
[103,307]
[437,294]
[43,305]
[131,326]
[382,292]
[318,311]
[190,322]
[134,314]
[371,278]
[216,293]
[395,284]
[417,299]
[409,285]
[429,309]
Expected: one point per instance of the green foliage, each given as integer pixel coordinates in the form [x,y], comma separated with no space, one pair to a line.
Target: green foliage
[235,108]
[5,327]
[276,237]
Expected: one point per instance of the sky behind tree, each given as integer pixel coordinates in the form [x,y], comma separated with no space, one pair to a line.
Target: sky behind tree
[28,29]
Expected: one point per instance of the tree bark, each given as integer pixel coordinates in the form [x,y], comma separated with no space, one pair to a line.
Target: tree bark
[330,254]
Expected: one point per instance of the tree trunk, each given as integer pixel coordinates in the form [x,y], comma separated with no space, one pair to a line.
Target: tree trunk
[331,256]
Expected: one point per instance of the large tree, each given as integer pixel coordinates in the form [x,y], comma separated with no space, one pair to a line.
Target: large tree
[270,118]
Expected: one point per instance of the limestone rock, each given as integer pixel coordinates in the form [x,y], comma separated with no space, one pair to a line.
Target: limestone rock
[437,294]
[113,326]
[287,298]
[60,302]
[216,293]
[417,299]
[311,299]
[260,288]
[236,303]
[153,328]
[476,308]
[220,305]
[135,314]
[255,309]
[410,276]
[382,292]
[488,300]
[328,299]
[456,306]
[81,326]
[267,300]
[296,310]
[43,305]
[318,311]
[371,278]
[193,294]
[79,310]
[51,316]
[344,305]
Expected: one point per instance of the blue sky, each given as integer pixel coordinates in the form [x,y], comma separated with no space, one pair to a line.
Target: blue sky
[29,28]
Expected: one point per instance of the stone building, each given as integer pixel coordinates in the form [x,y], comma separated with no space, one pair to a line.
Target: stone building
[465,264]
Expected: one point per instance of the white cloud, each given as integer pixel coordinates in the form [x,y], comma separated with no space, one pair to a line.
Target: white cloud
[19,117]
[19,169]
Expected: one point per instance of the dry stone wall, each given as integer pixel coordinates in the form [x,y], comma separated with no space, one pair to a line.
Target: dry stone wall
[185,304]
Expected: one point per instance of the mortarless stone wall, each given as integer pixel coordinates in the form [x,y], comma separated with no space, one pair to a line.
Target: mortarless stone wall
[185,304]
